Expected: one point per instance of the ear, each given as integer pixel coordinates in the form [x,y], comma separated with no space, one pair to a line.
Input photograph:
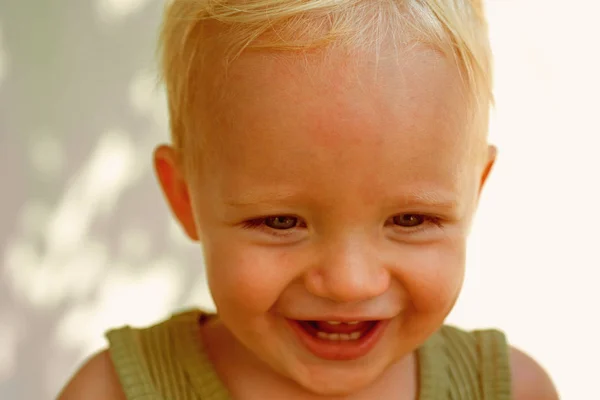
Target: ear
[492,152]
[171,177]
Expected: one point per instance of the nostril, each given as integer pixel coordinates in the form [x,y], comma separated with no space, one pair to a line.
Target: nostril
[347,282]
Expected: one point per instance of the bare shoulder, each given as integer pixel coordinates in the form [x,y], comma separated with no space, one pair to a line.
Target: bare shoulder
[529,380]
[95,380]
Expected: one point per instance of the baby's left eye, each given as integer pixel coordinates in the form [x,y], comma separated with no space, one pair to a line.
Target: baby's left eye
[281,222]
[409,220]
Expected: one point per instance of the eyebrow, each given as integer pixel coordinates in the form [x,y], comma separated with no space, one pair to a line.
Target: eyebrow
[429,198]
[253,198]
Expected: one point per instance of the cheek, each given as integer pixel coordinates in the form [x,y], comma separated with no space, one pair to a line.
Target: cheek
[248,279]
[433,277]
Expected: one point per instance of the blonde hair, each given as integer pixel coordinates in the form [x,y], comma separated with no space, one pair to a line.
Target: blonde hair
[192,28]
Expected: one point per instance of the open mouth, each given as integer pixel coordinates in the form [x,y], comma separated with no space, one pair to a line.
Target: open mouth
[336,340]
[334,330]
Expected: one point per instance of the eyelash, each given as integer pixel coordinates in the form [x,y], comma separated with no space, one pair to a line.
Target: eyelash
[259,224]
[428,220]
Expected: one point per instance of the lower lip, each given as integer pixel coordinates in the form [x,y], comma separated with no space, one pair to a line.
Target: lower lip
[342,350]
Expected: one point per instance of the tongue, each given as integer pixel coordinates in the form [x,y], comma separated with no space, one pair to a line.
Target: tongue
[343,328]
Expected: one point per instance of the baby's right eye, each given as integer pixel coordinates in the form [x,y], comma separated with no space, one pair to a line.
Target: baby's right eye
[274,223]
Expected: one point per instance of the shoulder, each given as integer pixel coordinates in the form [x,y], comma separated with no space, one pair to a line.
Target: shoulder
[495,359]
[529,380]
[95,380]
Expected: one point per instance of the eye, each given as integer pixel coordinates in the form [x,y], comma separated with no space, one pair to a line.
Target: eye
[409,220]
[281,222]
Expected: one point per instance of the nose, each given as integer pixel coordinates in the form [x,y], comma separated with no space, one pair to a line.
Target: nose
[349,272]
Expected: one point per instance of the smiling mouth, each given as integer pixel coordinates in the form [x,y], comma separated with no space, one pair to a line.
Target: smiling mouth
[337,330]
[336,340]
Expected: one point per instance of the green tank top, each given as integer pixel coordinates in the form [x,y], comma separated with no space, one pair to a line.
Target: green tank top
[167,362]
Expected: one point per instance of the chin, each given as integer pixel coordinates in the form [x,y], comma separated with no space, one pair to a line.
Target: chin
[337,383]
[337,388]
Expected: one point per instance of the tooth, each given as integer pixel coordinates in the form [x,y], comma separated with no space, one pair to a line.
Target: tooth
[338,336]
[333,322]
[355,335]
[353,323]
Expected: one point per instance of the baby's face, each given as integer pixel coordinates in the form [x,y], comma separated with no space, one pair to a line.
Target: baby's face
[338,191]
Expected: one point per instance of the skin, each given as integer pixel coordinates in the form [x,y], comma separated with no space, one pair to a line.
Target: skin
[342,157]
[347,161]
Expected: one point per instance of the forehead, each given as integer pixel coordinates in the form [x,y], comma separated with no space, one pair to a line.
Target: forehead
[342,119]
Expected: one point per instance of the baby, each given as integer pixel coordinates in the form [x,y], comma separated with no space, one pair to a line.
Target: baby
[329,156]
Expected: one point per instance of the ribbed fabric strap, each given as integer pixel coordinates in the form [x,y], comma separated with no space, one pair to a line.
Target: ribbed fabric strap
[494,361]
[459,365]
[165,362]
[131,364]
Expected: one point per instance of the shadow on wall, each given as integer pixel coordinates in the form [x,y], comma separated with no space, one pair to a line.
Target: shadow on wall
[86,240]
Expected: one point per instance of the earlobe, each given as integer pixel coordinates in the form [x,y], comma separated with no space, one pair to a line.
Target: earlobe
[492,152]
[172,180]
